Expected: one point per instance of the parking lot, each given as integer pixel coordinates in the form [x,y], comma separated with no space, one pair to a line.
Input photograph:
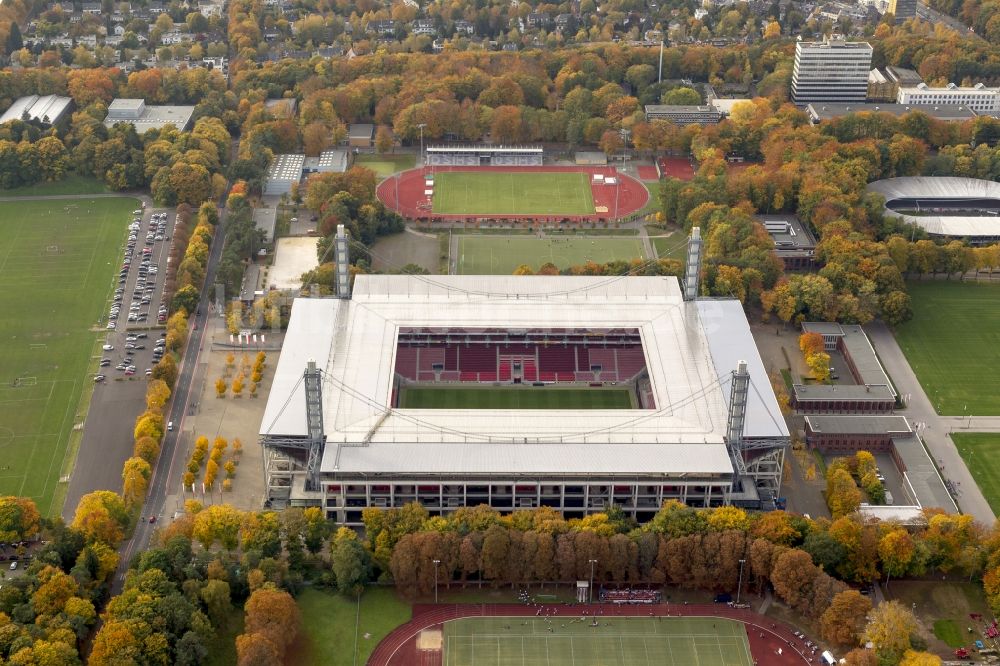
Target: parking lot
[135,328]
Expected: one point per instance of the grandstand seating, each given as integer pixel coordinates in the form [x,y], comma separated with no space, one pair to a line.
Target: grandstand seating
[631,361]
[477,359]
[490,362]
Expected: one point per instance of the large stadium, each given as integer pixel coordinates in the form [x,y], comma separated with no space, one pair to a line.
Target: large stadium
[947,207]
[566,391]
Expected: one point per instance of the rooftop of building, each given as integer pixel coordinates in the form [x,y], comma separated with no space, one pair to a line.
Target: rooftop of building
[943,187]
[834,43]
[360,131]
[830,424]
[921,474]
[903,76]
[849,392]
[951,87]
[691,351]
[145,117]
[286,167]
[858,347]
[820,111]
[46,108]
[681,108]
[789,234]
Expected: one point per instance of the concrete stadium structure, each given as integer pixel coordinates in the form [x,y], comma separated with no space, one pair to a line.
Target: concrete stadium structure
[975,204]
[333,438]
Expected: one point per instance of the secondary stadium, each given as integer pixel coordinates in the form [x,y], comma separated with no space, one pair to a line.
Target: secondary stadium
[573,392]
[947,207]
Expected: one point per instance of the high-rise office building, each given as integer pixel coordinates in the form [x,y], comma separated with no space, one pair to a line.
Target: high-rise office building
[903,10]
[833,70]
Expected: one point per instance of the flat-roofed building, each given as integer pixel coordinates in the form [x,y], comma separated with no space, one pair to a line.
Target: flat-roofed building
[361,135]
[793,242]
[833,70]
[903,10]
[143,117]
[329,161]
[680,114]
[284,172]
[848,434]
[822,112]
[979,97]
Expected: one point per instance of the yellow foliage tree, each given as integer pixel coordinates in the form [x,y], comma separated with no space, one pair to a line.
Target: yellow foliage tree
[220,388]
[237,386]
[188,479]
[726,518]
[230,468]
[157,394]
[101,516]
[135,480]
[227,485]
[819,364]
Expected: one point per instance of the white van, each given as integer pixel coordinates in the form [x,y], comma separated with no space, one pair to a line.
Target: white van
[828,658]
[170,426]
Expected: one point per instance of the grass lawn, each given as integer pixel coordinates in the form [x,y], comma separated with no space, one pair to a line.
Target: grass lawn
[512,193]
[328,622]
[501,255]
[953,345]
[515,398]
[981,453]
[671,246]
[947,631]
[386,165]
[57,259]
[636,641]
[71,184]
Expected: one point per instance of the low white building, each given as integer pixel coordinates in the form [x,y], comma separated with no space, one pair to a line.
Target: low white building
[979,98]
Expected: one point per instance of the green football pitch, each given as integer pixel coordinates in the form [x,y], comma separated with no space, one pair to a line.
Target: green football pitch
[57,259]
[501,255]
[512,193]
[618,641]
[515,398]
[953,345]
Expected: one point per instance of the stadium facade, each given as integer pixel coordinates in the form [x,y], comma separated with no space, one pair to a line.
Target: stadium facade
[705,427]
[946,206]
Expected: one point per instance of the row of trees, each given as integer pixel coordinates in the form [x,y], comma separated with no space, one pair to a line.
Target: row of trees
[683,546]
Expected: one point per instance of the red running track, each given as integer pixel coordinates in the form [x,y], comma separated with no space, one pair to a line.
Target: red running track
[399,648]
[404,193]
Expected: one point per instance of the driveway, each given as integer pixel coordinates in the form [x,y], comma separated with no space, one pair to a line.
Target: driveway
[935,430]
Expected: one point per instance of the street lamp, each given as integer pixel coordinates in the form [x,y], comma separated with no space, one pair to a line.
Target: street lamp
[421,127]
[436,563]
[739,587]
[592,563]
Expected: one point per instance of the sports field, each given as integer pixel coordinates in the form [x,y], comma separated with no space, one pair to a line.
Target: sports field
[57,259]
[512,193]
[618,641]
[501,255]
[981,453]
[515,398]
[953,345]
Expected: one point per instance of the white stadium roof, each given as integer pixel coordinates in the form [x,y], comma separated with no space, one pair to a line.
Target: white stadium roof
[943,187]
[688,347]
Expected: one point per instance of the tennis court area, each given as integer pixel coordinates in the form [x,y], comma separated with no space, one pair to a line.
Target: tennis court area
[500,255]
[474,397]
[512,193]
[616,641]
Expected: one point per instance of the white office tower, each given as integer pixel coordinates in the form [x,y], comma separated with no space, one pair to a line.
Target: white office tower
[833,70]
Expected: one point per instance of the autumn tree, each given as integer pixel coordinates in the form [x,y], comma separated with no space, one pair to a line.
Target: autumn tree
[273,614]
[896,549]
[842,494]
[793,577]
[19,519]
[101,516]
[220,387]
[844,620]
[135,480]
[889,628]
[811,343]
[383,139]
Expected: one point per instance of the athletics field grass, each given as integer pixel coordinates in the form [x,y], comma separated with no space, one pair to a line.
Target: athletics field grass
[57,259]
[618,641]
[981,453]
[515,398]
[500,255]
[953,345]
[512,193]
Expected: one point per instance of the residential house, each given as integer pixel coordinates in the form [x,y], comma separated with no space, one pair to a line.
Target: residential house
[386,27]
[92,8]
[565,21]
[155,8]
[465,28]
[423,27]
[538,20]
[171,38]
[119,30]
[329,52]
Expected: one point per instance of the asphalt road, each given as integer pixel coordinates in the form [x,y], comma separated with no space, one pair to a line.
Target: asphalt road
[107,435]
[156,497]
[933,16]
[935,434]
